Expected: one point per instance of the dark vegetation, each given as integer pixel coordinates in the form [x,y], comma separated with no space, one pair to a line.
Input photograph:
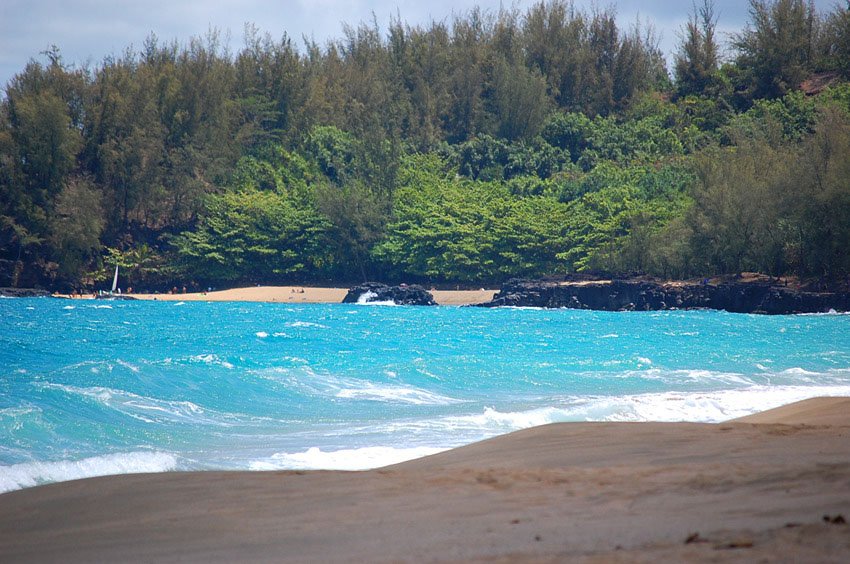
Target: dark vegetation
[488,147]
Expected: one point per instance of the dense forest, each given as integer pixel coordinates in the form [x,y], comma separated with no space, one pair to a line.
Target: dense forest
[470,151]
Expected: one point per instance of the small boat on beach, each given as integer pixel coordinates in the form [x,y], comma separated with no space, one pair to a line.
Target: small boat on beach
[115,292]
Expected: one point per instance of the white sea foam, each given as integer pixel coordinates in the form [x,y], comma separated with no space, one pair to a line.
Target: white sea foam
[127,365]
[797,371]
[306,324]
[703,377]
[321,383]
[361,390]
[368,298]
[28,474]
[14,412]
[146,409]
[707,407]
[493,421]
[210,359]
[261,334]
[296,360]
[102,307]
[346,459]
[365,297]
[830,312]
[179,304]
[69,307]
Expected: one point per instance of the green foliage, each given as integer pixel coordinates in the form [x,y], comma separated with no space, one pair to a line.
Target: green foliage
[614,210]
[776,49]
[446,228]
[491,145]
[333,151]
[835,41]
[76,226]
[138,264]
[819,229]
[792,117]
[569,132]
[768,207]
[252,235]
[357,216]
[696,63]
[520,100]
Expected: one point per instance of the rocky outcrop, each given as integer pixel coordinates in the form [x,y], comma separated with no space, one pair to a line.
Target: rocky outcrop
[23,293]
[639,295]
[400,295]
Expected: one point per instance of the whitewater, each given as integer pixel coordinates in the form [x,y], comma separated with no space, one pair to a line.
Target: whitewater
[91,388]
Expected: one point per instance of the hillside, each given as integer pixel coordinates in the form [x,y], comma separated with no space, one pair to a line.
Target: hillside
[490,146]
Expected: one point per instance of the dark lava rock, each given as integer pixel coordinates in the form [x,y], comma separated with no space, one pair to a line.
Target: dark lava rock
[24,293]
[641,295]
[400,295]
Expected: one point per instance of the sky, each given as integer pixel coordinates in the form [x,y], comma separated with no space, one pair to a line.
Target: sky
[86,31]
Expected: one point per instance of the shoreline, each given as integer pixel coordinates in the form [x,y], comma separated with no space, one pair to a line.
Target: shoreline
[766,486]
[753,294]
[745,294]
[299,295]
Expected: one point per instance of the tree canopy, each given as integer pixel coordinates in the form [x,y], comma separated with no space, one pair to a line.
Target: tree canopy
[470,150]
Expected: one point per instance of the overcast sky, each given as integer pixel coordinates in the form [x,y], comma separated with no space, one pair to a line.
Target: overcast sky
[89,30]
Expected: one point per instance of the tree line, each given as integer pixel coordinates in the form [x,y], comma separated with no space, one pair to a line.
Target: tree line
[494,145]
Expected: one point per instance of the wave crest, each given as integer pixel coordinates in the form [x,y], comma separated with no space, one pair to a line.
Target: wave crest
[28,474]
[346,459]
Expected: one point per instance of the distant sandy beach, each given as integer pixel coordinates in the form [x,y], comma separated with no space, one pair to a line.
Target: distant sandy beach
[309,295]
[770,487]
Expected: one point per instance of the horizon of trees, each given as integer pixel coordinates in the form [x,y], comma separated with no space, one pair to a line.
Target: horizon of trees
[497,145]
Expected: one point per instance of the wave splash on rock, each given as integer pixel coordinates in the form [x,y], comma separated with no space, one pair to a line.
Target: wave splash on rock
[371,292]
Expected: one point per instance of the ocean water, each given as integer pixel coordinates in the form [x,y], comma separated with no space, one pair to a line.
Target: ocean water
[93,387]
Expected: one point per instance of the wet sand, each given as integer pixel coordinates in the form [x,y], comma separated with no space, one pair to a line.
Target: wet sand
[754,489]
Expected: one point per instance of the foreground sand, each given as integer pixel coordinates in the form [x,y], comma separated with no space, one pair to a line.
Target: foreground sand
[310,295]
[750,490]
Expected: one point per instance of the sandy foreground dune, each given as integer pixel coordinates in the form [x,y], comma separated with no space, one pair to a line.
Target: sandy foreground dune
[310,295]
[755,489]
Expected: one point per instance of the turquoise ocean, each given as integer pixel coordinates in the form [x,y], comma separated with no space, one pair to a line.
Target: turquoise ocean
[104,387]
